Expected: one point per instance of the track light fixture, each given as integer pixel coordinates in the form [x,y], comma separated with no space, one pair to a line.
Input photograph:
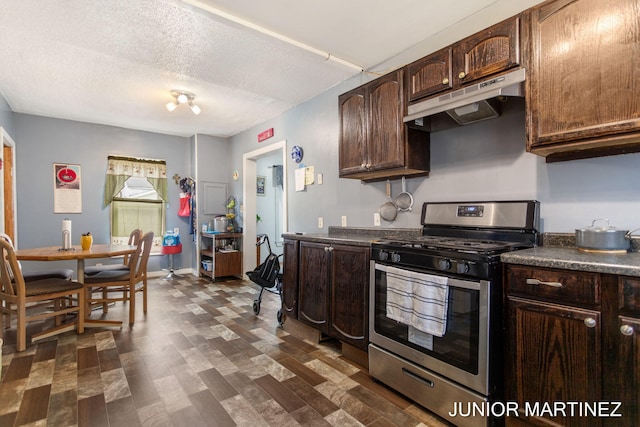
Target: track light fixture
[183,97]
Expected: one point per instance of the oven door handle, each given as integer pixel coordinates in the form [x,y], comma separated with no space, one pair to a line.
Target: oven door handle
[456,283]
[417,377]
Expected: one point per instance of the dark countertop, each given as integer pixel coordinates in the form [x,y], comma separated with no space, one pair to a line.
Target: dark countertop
[353,240]
[354,236]
[570,258]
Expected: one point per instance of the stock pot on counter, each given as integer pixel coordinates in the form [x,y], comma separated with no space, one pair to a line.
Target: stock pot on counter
[606,238]
[220,223]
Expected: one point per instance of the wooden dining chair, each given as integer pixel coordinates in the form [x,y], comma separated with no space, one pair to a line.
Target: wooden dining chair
[37,300]
[56,273]
[122,285]
[134,238]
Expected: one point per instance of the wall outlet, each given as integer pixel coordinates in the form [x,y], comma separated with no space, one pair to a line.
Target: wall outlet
[176,231]
[343,221]
[376,219]
[320,222]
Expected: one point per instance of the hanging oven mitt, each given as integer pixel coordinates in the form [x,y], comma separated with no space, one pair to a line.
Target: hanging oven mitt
[185,206]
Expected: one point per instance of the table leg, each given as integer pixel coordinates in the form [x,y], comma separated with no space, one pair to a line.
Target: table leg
[92,323]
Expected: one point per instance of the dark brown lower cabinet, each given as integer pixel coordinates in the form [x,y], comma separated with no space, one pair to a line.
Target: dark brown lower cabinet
[556,357]
[313,285]
[350,295]
[332,289]
[568,357]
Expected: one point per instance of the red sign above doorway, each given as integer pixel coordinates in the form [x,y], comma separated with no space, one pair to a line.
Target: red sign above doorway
[265,135]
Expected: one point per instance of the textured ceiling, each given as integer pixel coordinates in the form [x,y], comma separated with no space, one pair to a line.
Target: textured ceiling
[115,62]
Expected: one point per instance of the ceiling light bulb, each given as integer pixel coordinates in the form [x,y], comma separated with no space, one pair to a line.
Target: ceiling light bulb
[182,98]
[171,106]
[196,110]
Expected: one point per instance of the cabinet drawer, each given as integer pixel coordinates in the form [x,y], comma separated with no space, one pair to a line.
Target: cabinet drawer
[554,285]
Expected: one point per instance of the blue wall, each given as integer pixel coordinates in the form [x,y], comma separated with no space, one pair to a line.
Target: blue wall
[42,141]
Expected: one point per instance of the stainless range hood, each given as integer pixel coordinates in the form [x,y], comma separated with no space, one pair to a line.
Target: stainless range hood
[472,103]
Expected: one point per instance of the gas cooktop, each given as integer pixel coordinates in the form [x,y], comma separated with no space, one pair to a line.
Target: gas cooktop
[462,245]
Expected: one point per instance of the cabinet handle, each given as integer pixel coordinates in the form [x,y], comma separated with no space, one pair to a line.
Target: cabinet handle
[445,81]
[462,75]
[590,322]
[540,282]
[363,165]
[626,330]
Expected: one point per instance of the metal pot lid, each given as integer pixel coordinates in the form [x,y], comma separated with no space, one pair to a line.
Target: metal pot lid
[600,229]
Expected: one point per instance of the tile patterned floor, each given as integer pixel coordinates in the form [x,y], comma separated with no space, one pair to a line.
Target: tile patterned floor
[199,358]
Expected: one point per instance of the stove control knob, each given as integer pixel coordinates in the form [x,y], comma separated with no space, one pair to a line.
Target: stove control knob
[444,264]
[395,257]
[383,255]
[462,268]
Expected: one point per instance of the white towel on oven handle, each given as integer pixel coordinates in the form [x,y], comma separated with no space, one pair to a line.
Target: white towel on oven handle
[418,299]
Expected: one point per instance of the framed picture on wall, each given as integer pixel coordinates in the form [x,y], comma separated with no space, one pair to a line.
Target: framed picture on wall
[67,191]
[260,185]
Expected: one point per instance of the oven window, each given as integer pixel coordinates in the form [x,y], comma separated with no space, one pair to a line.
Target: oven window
[458,346]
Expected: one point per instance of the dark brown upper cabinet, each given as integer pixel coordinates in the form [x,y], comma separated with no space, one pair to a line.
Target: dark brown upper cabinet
[486,53]
[430,75]
[583,79]
[375,143]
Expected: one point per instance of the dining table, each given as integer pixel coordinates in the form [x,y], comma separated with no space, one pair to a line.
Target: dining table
[56,253]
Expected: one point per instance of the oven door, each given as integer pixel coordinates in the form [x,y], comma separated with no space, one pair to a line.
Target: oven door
[461,354]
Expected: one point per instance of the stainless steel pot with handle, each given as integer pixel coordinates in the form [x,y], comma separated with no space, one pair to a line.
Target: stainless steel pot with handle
[634,241]
[602,238]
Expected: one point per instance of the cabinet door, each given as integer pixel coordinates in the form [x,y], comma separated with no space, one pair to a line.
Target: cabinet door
[314,285]
[430,75]
[585,68]
[290,279]
[353,131]
[554,356]
[349,295]
[628,370]
[386,143]
[488,52]
[228,264]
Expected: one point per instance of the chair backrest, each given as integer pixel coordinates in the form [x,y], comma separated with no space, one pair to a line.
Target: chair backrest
[134,238]
[139,260]
[11,280]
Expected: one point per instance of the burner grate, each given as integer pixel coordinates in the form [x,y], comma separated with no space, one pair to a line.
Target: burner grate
[461,245]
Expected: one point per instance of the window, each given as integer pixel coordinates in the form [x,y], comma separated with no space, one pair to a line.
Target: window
[136,189]
[137,205]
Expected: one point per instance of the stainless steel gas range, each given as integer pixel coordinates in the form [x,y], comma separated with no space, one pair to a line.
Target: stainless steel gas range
[436,305]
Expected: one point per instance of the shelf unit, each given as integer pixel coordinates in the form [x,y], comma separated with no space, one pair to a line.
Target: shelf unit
[214,247]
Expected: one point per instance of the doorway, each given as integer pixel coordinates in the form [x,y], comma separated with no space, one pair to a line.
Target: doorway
[250,196]
[8,186]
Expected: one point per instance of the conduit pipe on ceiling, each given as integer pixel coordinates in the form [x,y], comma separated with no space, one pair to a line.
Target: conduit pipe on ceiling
[266,31]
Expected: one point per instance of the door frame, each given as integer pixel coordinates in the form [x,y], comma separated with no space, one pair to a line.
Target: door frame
[249,174]
[7,141]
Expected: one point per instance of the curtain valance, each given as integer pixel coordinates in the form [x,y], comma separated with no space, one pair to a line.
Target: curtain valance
[119,169]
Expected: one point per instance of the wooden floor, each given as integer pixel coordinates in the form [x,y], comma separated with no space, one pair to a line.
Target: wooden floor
[200,357]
